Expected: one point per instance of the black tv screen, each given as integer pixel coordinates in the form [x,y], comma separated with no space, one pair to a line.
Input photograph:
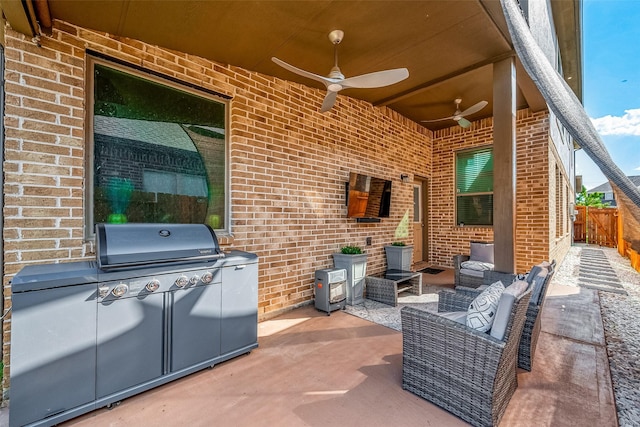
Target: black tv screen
[368,197]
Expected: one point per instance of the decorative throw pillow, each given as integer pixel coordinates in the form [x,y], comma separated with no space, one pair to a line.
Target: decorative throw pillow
[482,309]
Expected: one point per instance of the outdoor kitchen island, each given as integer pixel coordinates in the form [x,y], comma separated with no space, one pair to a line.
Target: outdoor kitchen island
[161,302]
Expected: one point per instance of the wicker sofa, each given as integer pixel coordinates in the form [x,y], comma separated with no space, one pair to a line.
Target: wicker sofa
[469,269]
[539,277]
[467,372]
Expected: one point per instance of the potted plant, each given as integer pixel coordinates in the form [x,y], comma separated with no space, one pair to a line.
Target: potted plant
[399,256]
[354,260]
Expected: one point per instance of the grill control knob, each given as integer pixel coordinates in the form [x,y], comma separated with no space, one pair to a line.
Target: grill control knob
[194,279]
[182,281]
[103,291]
[153,285]
[120,290]
[207,277]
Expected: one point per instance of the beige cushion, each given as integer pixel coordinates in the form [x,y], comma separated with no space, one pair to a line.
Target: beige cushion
[503,312]
[482,309]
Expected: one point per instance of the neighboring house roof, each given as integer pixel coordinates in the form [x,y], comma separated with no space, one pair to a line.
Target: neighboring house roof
[606,187]
[159,133]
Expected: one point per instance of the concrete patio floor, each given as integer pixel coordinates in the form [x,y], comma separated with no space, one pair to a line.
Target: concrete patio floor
[316,370]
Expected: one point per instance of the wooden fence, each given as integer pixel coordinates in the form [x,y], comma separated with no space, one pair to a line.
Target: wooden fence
[596,226]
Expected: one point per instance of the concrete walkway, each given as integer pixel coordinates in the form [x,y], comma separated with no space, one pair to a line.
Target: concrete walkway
[570,383]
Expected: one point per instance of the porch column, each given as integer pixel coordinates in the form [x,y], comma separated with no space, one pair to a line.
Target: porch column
[504,164]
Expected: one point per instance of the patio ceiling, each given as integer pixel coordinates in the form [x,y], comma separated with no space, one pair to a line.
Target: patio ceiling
[447,46]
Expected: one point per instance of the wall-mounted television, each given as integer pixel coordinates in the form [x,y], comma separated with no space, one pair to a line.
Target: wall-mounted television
[368,197]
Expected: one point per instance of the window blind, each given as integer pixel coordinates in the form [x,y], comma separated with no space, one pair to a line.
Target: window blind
[474,187]
[474,171]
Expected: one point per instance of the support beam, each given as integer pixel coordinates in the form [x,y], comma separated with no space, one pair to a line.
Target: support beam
[429,84]
[504,164]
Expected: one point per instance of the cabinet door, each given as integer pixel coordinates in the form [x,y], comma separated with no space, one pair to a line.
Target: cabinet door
[130,342]
[53,351]
[195,326]
[239,307]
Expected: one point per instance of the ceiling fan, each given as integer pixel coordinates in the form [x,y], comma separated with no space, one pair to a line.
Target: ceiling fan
[336,81]
[458,116]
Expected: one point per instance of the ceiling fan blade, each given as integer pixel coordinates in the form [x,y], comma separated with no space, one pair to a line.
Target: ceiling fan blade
[329,100]
[327,81]
[376,79]
[474,108]
[437,120]
[464,123]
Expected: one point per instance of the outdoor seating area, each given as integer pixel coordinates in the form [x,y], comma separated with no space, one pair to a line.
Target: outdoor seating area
[539,277]
[469,372]
[312,369]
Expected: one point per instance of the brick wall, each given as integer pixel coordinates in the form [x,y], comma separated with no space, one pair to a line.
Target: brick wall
[288,162]
[288,167]
[535,210]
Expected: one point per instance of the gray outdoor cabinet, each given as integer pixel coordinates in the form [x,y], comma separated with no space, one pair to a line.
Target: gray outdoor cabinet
[53,351]
[239,315]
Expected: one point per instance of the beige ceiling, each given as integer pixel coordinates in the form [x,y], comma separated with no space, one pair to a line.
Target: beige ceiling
[447,46]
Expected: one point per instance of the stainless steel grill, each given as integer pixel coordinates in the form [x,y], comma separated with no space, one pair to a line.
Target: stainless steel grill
[129,245]
[162,301]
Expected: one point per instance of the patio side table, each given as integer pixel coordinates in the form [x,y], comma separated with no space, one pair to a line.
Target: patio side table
[386,286]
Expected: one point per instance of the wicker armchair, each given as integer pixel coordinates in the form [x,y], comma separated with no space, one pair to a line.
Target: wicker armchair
[469,373]
[532,324]
[480,253]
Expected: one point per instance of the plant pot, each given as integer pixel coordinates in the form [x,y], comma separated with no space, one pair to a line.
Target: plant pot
[399,257]
[356,266]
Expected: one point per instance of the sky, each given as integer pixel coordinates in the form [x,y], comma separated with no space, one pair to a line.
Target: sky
[611,84]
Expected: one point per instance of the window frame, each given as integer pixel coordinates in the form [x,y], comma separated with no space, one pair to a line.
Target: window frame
[456,195]
[93,59]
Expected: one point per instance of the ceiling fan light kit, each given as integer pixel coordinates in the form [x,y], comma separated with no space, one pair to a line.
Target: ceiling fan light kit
[459,116]
[336,81]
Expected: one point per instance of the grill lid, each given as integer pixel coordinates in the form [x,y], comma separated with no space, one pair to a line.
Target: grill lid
[130,245]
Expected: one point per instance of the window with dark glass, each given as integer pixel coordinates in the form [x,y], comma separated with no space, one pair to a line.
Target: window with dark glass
[159,151]
[474,187]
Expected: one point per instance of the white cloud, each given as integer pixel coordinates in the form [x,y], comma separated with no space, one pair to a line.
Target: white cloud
[628,124]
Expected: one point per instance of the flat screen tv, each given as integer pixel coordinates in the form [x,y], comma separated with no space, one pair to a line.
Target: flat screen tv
[368,197]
